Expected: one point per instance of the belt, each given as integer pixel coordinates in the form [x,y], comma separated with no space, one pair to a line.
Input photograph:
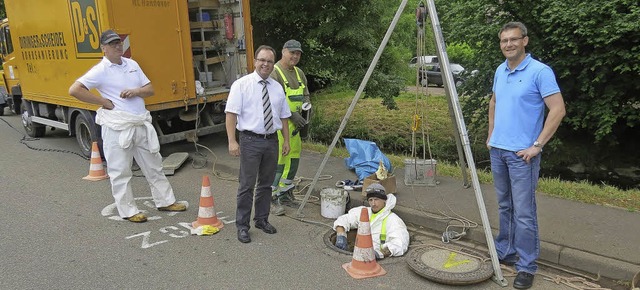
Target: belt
[264,136]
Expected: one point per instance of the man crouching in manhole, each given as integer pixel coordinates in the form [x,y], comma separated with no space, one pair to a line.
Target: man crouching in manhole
[388,231]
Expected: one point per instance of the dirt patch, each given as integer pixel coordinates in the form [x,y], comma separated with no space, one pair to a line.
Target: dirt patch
[434,91]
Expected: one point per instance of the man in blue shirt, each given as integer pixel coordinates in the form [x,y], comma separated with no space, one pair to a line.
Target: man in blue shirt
[522,88]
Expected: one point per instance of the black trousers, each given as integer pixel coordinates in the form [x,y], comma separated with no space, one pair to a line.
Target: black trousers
[258,162]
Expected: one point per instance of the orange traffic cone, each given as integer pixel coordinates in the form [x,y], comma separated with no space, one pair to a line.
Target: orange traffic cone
[364,265]
[207,212]
[96,172]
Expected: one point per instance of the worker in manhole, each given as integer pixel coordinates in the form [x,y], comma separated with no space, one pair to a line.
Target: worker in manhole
[388,231]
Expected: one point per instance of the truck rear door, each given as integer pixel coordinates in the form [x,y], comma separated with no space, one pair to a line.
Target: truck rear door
[156,35]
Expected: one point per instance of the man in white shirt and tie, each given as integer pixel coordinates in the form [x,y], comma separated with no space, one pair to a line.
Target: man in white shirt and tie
[257,107]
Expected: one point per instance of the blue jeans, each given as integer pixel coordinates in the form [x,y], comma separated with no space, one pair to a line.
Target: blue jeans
[515,182]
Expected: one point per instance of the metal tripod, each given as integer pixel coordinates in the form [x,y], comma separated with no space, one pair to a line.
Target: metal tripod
[455,111]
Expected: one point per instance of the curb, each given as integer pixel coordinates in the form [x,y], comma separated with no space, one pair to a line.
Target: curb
[549,252]
[552,253]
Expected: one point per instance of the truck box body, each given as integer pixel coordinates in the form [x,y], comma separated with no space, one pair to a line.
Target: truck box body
[56,41]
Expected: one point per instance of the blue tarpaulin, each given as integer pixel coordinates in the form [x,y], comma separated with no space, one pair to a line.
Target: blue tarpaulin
[364,157]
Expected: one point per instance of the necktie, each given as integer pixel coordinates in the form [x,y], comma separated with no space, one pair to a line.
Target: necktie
[266,106]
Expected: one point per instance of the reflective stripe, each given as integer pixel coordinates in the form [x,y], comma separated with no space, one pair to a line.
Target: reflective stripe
[96,166]
[383,232]
[364,255]
[295,97]
[364,229]
[205,191]
[206,212]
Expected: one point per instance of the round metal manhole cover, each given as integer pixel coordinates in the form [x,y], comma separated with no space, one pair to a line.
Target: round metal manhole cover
[450,266]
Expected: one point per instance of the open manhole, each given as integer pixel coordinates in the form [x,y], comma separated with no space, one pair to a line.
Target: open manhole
[330,241]
[450,266]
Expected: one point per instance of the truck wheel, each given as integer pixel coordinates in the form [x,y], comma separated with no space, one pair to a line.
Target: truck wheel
[84,135]
[33,130]
[2,109]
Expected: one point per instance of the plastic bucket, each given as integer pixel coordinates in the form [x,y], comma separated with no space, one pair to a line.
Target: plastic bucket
[333,202]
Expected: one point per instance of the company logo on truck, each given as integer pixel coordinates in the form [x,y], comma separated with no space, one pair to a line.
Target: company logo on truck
[86,32]
[45,46]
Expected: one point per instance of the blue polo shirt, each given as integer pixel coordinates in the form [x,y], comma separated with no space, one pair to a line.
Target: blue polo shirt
[520,108]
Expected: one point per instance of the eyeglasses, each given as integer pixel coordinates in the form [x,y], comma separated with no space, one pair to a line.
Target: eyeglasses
[512,40]
[268,61]
[115,43]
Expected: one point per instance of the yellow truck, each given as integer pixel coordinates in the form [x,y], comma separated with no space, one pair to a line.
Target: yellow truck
[191,50]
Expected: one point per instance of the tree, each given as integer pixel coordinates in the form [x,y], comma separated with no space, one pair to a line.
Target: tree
[340,39]
[592,46]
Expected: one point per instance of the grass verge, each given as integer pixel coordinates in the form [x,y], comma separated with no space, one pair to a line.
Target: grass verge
[391,130]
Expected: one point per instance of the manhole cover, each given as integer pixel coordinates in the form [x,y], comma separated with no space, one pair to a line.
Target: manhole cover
[450,266]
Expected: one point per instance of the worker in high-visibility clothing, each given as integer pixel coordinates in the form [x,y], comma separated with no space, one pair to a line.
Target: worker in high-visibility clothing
[295,87]
[389,233]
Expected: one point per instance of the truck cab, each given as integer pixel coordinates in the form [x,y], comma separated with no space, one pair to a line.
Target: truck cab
[7,54]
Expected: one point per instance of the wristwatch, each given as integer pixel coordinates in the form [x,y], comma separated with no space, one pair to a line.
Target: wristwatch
[537,144]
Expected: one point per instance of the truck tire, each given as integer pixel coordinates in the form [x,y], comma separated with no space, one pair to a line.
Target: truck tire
[84,134]
[2,109]
[33,130]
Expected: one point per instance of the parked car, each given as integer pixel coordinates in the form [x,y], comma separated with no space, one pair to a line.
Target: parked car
[431,74]
[424,60]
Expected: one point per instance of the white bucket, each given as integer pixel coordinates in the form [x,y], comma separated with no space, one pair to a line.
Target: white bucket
[333,202]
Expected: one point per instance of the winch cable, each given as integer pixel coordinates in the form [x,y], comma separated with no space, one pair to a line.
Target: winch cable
[203,156]
[420,122]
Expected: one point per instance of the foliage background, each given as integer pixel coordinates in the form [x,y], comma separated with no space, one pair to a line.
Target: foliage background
[593,47]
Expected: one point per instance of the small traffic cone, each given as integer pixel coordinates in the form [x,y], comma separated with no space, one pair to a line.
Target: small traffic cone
[207,212]
[364,265]
[96,172]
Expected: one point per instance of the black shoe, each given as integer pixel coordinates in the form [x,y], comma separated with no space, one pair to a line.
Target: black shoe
[266,227]
[507,263]
[524,280]
[243,236]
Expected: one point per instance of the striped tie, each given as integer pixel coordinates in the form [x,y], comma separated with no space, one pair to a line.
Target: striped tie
[266,105]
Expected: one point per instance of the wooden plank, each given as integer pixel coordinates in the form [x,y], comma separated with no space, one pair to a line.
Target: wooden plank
[210,60]
[203,24]
[201,44]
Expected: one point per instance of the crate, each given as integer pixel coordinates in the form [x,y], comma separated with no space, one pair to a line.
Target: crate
[420,172]
[389,184]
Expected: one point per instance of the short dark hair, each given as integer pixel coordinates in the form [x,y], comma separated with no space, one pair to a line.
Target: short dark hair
[513,25]
[263,47]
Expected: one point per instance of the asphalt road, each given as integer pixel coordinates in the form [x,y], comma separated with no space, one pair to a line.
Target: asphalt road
[59,231]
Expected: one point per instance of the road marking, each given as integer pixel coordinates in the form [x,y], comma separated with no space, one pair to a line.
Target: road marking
[145,240]
[111,212]
[451,262]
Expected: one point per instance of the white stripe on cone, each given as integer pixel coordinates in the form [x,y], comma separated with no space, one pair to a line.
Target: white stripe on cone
[364,228]
[206,212]
[95,167]
[364,255]
[205,191]
[95,154]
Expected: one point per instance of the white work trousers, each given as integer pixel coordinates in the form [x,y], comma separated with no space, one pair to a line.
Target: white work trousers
[119,161]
